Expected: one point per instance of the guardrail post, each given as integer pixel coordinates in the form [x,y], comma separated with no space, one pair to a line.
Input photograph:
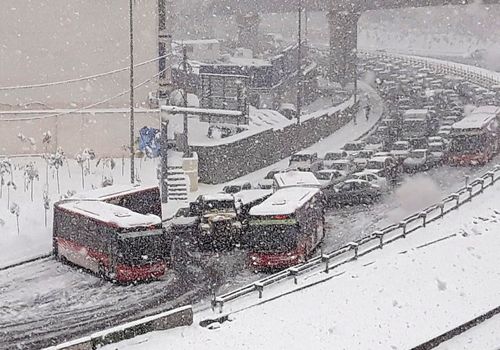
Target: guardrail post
[456,197]
[326,260]
[469,189]
[467,178]
[260,288]
[441,206]
[355,246]
[380,236]
[491,174]
[293,271]
[481,181]
[402,224]
[423,215]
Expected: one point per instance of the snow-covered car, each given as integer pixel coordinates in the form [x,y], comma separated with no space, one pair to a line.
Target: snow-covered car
[306,161]
[438,151]
[328,176]
[400,150]
[374,143]
[345,166]
[444,131]
[351,192]
[362,158]
[288,110]
[418,160]
[330,157]
[449,120]
[236,187]
[384,166]
[372,178]
[268,181]
[354,147]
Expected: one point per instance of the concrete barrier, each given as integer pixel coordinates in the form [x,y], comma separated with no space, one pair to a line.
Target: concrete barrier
[167,320]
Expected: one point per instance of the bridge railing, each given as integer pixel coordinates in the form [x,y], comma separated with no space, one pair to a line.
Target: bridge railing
[375,241]
[480,76]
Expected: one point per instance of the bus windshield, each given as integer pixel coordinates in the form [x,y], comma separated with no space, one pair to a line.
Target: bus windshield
[141,247]
[273,238]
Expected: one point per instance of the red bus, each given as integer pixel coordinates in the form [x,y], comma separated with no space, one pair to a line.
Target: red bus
[474,139]
[286,228]
[112,241]
[141,199]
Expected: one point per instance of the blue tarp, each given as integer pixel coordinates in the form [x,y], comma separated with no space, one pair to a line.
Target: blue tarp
[149,141]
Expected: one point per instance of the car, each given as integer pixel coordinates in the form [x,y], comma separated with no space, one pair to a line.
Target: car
[333,156]
[328,176]
[400,150]
[362,158]
[449,120]
[384,166]
[237,187]
[288,110]
[345,166]
[351,192]
[444,131]
[371,178]
[438,151]
[418,160]
[306,161]
[353,147]
[268,181]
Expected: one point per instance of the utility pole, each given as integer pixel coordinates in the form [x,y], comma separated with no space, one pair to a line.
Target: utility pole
[299,65]
[132,151]
[185,93]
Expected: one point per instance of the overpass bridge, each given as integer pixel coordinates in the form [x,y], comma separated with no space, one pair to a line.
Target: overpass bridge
[343,16]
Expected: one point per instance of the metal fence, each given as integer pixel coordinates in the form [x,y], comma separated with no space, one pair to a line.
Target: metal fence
[375,241]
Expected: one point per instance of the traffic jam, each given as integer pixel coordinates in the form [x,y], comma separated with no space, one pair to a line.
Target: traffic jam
[429,120]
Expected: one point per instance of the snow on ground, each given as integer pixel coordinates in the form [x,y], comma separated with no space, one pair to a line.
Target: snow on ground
[35,237]
[395,298]
[484,336]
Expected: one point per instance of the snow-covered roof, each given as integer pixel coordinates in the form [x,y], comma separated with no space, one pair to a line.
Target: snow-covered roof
[305,153]
[474,121]
[111,191]
[110,213]
[250,196]
[249,62]
[296,178]
[218,197]
[197,42]
[198,111]
[284,201]
[487,110]
[416,111]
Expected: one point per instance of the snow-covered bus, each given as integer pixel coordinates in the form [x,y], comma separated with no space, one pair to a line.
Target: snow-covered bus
[109,240]
[140,199]
[286,228]
[474,139]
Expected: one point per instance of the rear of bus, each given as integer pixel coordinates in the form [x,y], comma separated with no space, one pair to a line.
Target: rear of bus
[110,241]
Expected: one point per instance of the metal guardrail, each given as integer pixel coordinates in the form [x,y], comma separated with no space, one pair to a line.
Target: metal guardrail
[375,241]
[391,233]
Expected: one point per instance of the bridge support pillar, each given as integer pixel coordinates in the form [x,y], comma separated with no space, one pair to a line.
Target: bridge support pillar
[343,27]
[248,31]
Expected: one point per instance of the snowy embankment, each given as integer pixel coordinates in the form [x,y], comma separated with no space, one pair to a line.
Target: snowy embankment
[411,291]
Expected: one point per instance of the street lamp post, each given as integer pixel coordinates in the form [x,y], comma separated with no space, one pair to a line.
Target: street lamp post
[299,65]
[131,32]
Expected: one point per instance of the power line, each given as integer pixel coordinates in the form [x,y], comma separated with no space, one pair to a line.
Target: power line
[88,106]
[69,81]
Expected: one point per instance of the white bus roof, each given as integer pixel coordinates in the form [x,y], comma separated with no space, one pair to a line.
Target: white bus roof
[111,191]
[110,213]
[474,121]
[296,178]
[494,110]
[284,201]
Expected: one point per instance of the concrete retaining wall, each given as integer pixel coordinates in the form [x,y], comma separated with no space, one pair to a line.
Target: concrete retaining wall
[167,320]
[222,163]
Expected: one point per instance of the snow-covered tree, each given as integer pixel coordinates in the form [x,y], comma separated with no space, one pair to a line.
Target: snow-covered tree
[15,210]
[30,175]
